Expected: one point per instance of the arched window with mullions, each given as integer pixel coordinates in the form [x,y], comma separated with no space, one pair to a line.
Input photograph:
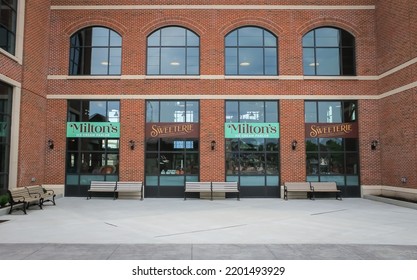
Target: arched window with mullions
[251,51]
[329,51]
[173,50]
[95,51]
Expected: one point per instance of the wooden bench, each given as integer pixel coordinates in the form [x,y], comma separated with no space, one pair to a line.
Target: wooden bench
[304,187]
[21,197]
[129,187]
[225,187]
[196,187]
[102,186]
[46,195]
[325,187]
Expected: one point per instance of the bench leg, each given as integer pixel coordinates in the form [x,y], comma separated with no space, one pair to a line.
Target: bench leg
[285,195]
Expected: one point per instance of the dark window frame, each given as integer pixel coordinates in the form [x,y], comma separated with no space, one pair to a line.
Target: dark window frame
[342,57]
[160,47]
[9,45]
[265,153]
[79,47]
[239,47]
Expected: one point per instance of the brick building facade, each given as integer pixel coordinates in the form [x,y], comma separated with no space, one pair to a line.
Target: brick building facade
[381,91]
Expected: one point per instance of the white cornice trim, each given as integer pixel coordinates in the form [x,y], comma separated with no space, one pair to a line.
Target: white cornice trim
[212,97]
[9,81]
[212,7]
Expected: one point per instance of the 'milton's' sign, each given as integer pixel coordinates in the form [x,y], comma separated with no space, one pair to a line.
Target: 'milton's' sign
[330,130]
[167,130]
[251,130]
[93,129]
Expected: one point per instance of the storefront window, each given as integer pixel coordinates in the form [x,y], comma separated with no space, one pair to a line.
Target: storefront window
[332,144]
[5,123]
[172,146]
[92,144]
[252,145]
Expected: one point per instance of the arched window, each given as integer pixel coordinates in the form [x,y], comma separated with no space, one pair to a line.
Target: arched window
[329,51]
[95,51]
[8,18]
[251,51]
[173,51]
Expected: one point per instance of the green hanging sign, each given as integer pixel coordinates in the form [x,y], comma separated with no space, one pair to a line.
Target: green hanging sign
[251,130]
[93,129]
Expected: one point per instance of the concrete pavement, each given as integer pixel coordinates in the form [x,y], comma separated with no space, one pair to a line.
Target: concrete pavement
[300,229]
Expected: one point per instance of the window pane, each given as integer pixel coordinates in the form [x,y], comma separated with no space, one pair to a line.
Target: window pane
[153,61]
[312,145]
[152,111]
[327,37]
[251,111]
[193,61]
[100,36]
[192,113]
[309,61]
[232,114]
[310,111]
[347,40]
[331,144]
[348,61]
[269,40]
[270,61]
[251,61]
[308,39]
[115,61]
[173,61]
[113,111]
[172,111]
[115,39]
[271,112]
[330,112]
[231,39]
[352,163]
[173,36]
[99,61]
[192,39]
[327,61]
[155,39]
[231,61]
[250,36]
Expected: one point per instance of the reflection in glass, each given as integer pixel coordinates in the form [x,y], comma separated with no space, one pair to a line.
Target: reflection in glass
[328,51]
[172,111]
[95,51]
[250,51]
[173,51]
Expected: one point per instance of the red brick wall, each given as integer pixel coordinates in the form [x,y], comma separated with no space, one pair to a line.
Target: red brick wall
[396,31]
[132,122]
[293,162]
[212,162]
[32,143]
[385,38]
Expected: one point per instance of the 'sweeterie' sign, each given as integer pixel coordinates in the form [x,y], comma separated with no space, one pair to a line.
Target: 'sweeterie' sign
[329,130]
[93,129]
[161,130]
[251,130]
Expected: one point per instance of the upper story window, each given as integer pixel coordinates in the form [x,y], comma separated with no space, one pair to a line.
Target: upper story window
[95,51]
[328,51]
[251,51]
[8,17]
[173,51]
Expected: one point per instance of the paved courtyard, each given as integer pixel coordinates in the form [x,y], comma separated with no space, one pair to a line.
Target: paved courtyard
[300,229]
